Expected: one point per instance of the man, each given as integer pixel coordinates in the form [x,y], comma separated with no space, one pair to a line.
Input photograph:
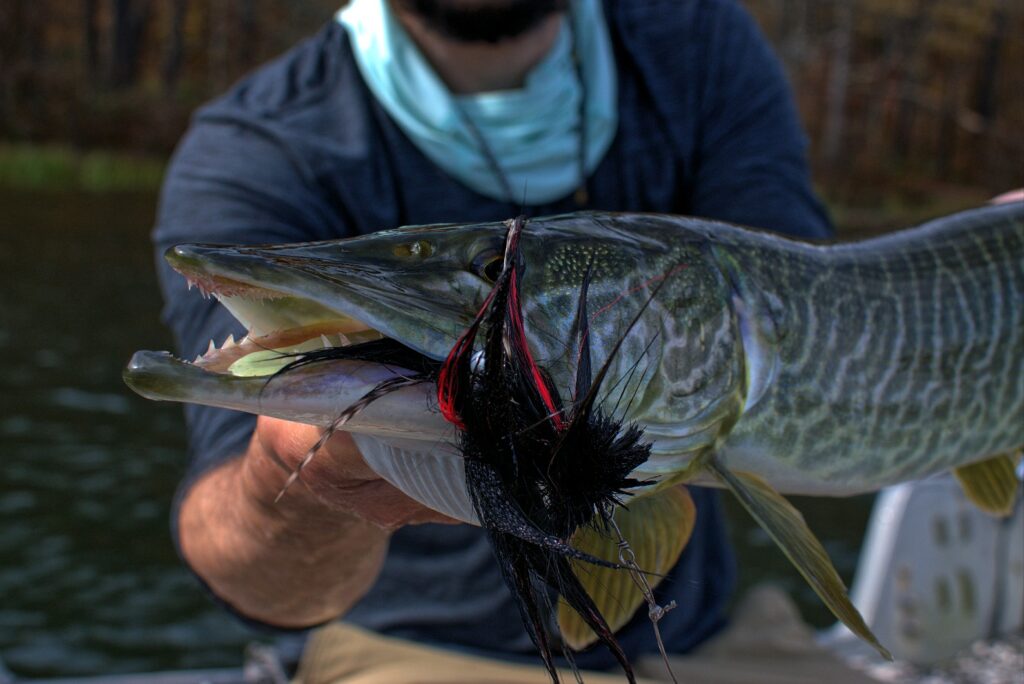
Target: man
[418,111]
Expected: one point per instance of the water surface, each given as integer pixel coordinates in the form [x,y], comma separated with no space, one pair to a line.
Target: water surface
[89,580]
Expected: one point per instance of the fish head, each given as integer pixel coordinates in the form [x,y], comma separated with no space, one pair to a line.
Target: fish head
[422,287]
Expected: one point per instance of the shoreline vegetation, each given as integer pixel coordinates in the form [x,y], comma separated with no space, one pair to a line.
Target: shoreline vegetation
[61,168]
[56,168]
[889,92]
[912,110]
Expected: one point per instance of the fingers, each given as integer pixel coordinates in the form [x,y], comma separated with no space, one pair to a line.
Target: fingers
[338,475]
[290,443]
[1011,196]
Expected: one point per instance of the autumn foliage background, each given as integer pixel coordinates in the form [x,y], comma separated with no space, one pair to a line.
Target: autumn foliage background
[906,96]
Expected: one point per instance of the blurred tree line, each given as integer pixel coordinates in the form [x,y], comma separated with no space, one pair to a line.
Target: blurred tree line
[906,91]
[889,89]
[127,73]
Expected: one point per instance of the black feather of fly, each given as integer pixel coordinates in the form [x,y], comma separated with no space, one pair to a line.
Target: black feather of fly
[385,351]
[536,469]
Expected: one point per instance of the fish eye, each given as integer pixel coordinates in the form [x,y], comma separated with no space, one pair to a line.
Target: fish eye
[488,265]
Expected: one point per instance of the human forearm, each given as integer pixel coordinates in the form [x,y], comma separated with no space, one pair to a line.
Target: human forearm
[308,557]
[293,563]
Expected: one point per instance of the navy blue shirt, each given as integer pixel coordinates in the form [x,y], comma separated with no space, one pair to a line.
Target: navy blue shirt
[300,150]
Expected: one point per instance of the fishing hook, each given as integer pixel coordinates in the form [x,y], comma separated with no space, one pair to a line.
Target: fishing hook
[654,611]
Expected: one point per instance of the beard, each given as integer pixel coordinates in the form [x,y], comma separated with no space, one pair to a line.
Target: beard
[473,22]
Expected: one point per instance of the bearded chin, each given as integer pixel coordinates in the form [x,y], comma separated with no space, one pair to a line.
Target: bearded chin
[470,21]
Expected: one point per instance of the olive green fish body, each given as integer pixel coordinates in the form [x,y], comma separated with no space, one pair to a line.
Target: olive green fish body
[885,360]
[828,369]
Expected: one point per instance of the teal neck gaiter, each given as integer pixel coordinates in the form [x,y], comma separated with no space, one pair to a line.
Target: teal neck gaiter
[533,132]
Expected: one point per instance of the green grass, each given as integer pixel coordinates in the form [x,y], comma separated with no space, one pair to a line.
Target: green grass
[52,167]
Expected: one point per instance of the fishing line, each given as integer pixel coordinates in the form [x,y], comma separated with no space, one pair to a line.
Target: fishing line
[636,389]
[644,285]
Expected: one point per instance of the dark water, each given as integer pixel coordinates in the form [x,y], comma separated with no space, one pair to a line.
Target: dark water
[89,582]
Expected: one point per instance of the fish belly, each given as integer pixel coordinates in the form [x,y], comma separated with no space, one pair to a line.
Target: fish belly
[431,472]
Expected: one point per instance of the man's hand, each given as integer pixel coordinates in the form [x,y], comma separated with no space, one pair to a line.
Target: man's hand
[338,476]
[1011,196]
[308,557]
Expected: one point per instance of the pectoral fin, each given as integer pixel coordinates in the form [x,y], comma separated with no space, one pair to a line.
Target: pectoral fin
[786,526]
[657,528]
[991,485]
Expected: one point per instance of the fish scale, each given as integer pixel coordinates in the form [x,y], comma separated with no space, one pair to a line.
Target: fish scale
[894,337]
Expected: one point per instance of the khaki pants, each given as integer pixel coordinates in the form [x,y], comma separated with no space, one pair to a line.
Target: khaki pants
[343,654]
[767,643]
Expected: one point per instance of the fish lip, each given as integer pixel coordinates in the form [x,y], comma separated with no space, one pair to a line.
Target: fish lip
[199,264]
[314,395]
[161,376]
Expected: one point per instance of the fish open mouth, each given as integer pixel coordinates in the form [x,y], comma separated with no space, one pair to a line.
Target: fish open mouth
[282,327]
[327,344]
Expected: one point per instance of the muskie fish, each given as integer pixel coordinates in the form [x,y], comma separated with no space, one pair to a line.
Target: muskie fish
[750,361]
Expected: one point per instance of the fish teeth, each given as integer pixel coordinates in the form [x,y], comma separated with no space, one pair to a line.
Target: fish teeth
[229,342]
[212,348]
[326,341]
[203,290]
